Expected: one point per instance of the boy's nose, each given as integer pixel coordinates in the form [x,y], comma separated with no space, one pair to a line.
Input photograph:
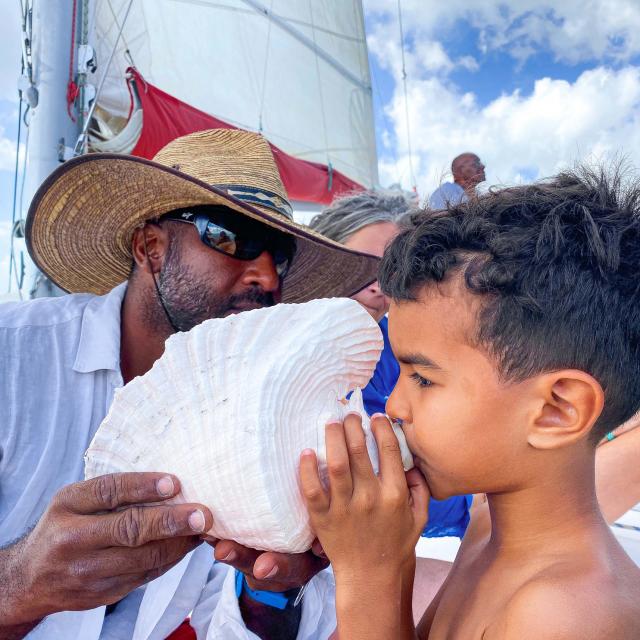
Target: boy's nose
[395,408]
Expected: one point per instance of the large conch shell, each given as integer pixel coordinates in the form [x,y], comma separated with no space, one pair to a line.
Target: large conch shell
[232,403]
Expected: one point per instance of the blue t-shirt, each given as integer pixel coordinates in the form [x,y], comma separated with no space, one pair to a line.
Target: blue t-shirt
[448,517]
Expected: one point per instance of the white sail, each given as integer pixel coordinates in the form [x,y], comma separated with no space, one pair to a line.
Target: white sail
[297,71]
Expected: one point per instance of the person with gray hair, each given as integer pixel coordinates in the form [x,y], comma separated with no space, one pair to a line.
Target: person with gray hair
[366,221]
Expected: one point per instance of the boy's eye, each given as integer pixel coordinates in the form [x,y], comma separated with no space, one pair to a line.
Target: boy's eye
[420,381]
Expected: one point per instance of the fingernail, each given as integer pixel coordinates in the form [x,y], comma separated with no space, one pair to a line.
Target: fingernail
[196,521]
[271,573]
[230,557]
[165,486]
[380,415]
[307,452]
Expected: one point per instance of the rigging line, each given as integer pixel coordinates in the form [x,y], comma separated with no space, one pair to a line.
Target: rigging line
[302,23]
[324,118]
[126,44]
[406,100]
[85,125]
[15,194]
[305,41]
[264,71]
[376,86]
[24,171]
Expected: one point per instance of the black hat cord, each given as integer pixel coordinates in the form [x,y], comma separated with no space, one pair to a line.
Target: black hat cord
[155,282]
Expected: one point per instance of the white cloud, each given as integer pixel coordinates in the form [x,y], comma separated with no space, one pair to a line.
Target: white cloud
[573,30]
[8,153]
[518,137]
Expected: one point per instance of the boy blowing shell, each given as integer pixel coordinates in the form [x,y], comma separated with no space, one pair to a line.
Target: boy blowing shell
[516,322]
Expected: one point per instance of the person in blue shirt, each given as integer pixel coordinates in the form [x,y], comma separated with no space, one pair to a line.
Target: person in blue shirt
[367,222]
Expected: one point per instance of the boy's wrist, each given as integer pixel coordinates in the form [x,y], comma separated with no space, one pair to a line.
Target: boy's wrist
[372,579]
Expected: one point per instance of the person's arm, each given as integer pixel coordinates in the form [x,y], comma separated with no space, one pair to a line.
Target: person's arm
[618,471]
[368,526]
[12,589]
[94,544]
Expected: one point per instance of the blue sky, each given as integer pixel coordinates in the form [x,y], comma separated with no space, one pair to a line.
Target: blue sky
[529,85]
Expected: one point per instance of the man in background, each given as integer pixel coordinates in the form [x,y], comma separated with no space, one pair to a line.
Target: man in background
[468,173]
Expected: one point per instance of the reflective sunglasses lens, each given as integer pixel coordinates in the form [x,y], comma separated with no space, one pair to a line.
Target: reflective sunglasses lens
[219,238]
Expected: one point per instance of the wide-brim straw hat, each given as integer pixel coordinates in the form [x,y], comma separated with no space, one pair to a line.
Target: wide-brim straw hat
[81,220]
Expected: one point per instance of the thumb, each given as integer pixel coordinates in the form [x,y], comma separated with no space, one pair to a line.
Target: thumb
[419,496]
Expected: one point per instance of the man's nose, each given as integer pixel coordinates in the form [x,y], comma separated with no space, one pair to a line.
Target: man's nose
[374,287]
[262,272]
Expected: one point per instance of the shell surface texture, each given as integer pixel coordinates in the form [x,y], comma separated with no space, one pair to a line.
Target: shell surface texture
[230,406]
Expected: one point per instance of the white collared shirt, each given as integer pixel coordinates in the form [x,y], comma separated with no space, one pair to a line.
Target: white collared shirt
[59,368]
[449,193]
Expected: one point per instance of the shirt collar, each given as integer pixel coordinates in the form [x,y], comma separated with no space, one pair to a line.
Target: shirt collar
[99,344]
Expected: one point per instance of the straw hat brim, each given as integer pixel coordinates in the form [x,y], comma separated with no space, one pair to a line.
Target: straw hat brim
[81,222]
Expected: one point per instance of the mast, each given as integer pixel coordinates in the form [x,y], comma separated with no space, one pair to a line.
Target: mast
[50,127]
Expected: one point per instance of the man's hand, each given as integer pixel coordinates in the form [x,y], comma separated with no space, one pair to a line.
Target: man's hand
[97,541]
[270,571]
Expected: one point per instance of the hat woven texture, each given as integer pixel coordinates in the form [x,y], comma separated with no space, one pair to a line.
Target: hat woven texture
[81,221]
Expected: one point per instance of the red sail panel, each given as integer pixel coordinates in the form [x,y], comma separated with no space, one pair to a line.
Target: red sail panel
[166,118]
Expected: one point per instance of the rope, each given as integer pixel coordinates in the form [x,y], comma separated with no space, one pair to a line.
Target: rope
[127,49]
[78,149]
[264,71]
[72,87]
[324,118]
[15,195]
[406,101]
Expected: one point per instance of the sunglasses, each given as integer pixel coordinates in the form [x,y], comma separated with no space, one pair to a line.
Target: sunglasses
[236,236]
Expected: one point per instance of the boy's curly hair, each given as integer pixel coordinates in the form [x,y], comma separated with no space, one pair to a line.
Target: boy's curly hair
[557,263]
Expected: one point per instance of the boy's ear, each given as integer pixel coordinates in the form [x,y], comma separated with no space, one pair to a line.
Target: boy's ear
[572,401]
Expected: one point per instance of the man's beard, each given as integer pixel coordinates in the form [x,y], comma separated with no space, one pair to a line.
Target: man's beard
[188,299]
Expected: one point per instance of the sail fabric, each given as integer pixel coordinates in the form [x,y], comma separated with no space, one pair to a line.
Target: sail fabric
[301,78]
[166,118]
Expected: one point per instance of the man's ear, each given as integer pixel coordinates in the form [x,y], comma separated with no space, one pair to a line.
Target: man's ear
[571,402]
[149,246]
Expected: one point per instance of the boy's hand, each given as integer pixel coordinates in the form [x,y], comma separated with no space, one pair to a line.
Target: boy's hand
[365,522]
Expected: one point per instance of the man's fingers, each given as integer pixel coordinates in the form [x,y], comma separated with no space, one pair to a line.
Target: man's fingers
[419,492]
[338,469]
[108,492]
[391,469]
[114,588]
[314,494]
[136,526]
[316,549]
[121,561]
[280,571]
[361,467]
[234,554]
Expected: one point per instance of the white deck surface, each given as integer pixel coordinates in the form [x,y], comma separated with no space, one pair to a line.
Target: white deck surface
[626,530]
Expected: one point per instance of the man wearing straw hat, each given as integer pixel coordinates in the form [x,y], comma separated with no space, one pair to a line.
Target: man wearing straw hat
[151,247]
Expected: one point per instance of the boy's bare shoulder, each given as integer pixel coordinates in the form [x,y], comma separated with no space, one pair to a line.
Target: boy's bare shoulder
[582,606]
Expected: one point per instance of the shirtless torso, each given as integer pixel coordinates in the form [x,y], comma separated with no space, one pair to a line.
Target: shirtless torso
[569,588]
